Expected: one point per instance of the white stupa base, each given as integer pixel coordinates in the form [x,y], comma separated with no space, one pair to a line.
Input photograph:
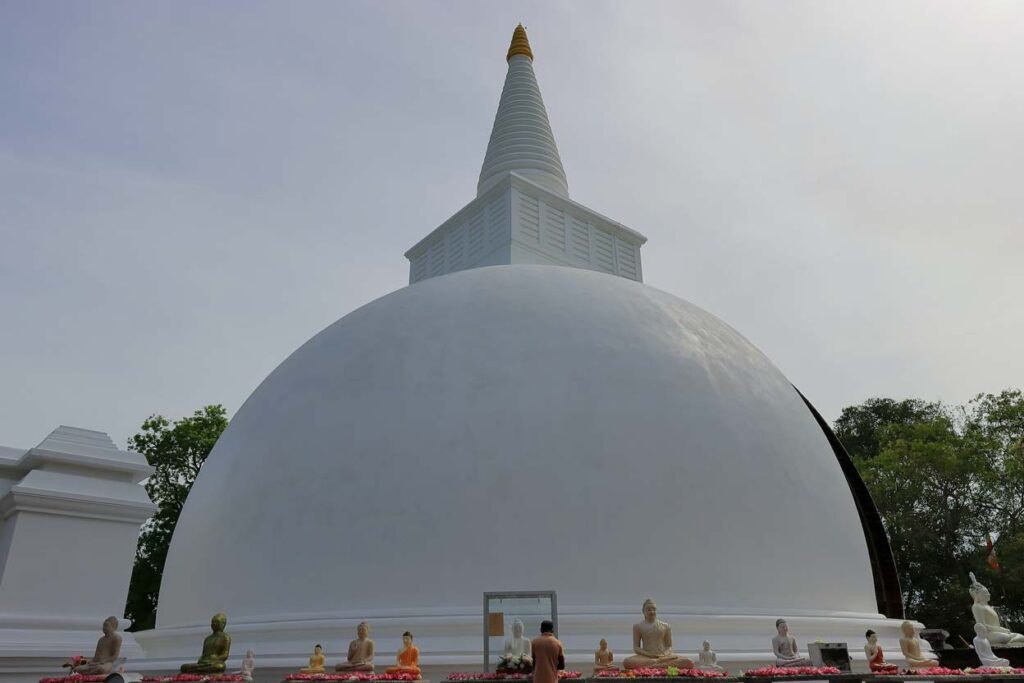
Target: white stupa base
[453,640]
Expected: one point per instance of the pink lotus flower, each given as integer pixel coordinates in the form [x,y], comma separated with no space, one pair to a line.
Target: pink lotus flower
[933,671]
[646,672]
[74,678]
[784,671]
[480,676]
[192,678]
[353,676]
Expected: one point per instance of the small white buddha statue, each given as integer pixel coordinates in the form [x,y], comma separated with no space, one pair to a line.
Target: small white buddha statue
[984,614]
[707,659]
[517,648]
[248,666]
[784,647]
[984,649]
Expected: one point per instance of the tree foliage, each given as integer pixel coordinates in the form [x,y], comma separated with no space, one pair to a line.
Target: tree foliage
[859,427]
[943,478]
[177,452]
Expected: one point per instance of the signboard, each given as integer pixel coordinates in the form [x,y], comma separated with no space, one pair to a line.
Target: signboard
[503,608]
[830,654]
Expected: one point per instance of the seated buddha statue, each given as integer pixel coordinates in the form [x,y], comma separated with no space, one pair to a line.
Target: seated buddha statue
[248,666]
[603,657]
[983,648]
[652,643]
[707,660]
[360,652]
[910,645]
[784,647]
[876,658]
[518,646]
[316,661]
[107,655]
[408,658]
[216,648]
[984,614]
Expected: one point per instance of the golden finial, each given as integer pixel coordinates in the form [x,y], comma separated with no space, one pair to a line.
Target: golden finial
[520,44]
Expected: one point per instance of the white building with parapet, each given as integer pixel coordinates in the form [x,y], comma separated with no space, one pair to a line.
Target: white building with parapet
[70,512]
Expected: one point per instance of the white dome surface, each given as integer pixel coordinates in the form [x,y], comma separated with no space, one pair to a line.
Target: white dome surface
[520,428]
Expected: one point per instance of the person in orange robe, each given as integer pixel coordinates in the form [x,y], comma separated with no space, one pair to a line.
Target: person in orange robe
[548,654]
[408,658]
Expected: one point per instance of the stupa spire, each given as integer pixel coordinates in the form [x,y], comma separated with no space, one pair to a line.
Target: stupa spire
[521,140]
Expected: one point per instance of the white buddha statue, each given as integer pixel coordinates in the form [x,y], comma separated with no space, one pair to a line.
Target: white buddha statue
[517,648]
[784,647]
[707,659]
[248,666]
[984,614]
[984,649]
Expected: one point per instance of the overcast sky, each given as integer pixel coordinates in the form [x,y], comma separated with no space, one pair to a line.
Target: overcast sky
[190,190]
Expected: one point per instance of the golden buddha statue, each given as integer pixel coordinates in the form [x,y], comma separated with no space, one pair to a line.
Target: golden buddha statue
[408,658]
[910,645]
[216,648]
[603,657]
[316,662]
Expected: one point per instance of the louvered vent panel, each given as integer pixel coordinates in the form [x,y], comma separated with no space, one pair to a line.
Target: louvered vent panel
[476,241]
[554,228]
[496,215]
[437,258]
[529,219]
[419,267]
[604,251]
[580,240]
[456,249]
[626,254]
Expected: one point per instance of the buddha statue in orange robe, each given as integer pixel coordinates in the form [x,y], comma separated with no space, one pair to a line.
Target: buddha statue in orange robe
[408,658]
[876,658]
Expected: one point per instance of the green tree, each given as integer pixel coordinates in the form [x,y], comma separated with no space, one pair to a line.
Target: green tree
[995,425]
[176,451]
[943,478]
[859,427]
[925,482]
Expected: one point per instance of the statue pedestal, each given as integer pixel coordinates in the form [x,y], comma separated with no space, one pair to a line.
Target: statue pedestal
[966,657]
[70,511]
[958,658]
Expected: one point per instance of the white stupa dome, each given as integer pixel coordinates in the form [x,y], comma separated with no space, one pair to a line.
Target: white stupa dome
[528,415]
[519,427]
